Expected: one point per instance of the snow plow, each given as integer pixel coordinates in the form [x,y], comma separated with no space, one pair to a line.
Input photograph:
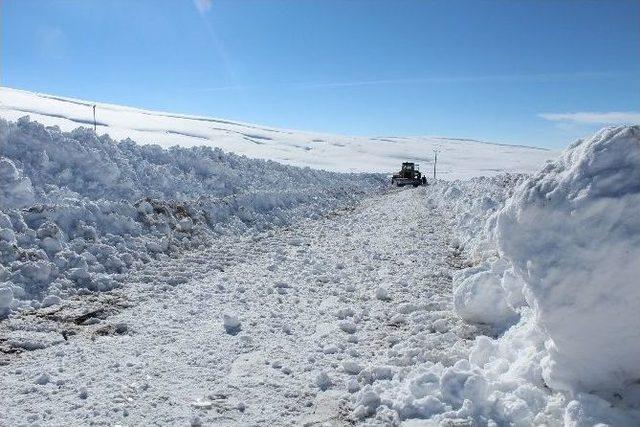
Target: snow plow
[409,175]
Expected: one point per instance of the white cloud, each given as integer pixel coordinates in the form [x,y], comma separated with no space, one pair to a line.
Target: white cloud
[612,117]
[203,6]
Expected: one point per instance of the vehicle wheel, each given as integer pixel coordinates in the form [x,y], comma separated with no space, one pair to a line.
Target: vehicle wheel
[415,185]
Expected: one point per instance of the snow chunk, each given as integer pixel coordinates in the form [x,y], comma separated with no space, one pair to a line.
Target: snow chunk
[351,367]
[6,297]
[330,349]
[348,326]
[479,297]
[202,403]
[367,402]
[83,393]
[16,190]
[231,323]
[323,381]
[51,300]
[345,312]
[43,379]
[382,294]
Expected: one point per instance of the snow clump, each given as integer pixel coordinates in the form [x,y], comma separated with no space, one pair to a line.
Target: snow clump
[16,190]
[323,381]
[231,323]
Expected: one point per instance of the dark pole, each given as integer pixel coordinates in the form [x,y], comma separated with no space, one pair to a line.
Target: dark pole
[95,126]
[435,162]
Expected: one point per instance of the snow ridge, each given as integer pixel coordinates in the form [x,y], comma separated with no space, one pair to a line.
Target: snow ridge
[581,269]
[78,210]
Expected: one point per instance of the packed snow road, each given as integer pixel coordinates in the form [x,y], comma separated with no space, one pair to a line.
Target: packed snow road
[314,312]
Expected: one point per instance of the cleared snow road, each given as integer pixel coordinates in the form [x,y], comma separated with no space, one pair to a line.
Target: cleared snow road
[325,307]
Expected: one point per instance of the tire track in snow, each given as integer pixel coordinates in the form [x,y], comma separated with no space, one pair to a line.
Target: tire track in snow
[326,307]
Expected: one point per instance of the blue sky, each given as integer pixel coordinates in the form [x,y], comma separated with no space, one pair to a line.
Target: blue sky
[524,72]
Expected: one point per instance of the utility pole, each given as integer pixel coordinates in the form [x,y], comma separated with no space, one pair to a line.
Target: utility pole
[435,163]
[95,125]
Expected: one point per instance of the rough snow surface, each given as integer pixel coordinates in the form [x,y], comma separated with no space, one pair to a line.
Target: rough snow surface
[551,266]
[572,233]
[77,210]
[459,158]
[313,338]
[469,302]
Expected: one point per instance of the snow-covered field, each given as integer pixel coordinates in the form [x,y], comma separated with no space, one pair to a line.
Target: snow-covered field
[458,158]
[140,285]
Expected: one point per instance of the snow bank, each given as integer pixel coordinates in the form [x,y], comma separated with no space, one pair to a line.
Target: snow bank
[572,232]
[551,263]
[485,291]
[78,210]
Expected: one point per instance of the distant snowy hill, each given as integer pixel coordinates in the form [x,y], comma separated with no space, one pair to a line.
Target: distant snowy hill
[459,158]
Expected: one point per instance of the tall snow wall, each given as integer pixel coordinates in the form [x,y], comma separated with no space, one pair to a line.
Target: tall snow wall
[572,234]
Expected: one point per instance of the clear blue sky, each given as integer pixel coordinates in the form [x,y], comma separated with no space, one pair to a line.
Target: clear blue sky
[505,71]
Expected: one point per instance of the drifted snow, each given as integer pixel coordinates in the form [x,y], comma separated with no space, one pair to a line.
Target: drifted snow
[459,158]
[464,306]
[174,360]
[485,290]
[77,211]
[572,233]
[556,268]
